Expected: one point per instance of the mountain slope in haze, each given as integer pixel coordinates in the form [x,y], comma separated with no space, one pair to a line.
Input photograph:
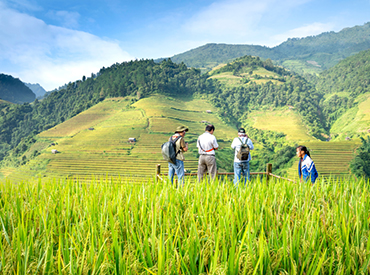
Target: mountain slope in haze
[38,90]
[309,54]
[14,90]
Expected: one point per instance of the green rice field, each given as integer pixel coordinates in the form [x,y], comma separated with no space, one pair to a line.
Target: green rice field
[113,226]
[95,142]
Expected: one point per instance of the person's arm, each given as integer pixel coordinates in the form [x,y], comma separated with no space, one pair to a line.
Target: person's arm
[233,144]
[183,145]
[313,172]
[215,144]
[250,144]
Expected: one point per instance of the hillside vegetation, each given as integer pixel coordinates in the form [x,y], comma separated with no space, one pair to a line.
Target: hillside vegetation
[14,90]
[95,142]
[264,86]
[311,54]
[147,100]
[347,96]
[20,123]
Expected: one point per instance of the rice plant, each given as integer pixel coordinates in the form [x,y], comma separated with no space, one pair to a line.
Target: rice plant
[114,226]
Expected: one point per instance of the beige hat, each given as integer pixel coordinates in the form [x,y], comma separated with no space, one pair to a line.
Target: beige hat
[181,129]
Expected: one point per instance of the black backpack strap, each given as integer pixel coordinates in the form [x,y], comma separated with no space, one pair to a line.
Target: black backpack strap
[174,142]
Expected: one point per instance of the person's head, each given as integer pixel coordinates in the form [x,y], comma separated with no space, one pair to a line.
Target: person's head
[241,132]
[210,128]
[301,151]
[181,130]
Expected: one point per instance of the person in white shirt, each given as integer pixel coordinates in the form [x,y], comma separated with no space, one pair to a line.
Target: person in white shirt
[207,144]
[241,166]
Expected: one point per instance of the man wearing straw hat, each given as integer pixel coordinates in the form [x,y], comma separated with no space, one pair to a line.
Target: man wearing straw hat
[181,147]
[241,164]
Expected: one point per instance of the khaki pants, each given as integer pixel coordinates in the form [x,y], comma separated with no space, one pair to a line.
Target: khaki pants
[207,163]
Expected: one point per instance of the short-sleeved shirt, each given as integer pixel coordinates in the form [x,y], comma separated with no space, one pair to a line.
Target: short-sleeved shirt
[236,146]
[207,143]
[180,145]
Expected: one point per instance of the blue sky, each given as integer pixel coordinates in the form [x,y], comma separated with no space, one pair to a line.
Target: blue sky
[53,42]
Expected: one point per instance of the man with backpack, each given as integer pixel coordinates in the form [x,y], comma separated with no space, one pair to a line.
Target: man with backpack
[207,144]
[242,146]
[177,146]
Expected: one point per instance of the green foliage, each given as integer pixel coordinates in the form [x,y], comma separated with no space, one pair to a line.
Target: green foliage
[360,165]
[132,78]
[234,103]
[14,90]
[351,76]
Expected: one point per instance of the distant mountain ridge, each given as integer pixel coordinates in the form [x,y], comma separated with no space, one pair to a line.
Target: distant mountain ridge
[318,52]
[38,90]
[14,90]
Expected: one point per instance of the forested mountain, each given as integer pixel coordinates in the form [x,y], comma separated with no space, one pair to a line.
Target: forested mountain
[319,52]
[346,87]
[251,84]
[281,89]
[37,89]
[14,90]
[135,79]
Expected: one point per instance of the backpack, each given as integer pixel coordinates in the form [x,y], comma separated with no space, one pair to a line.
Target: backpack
[243,153]
[169,150]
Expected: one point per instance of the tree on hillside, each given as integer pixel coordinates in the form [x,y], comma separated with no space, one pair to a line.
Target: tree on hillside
[360,165]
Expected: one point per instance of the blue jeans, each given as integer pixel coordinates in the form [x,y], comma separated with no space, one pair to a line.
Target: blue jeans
[179,169]
[240,167]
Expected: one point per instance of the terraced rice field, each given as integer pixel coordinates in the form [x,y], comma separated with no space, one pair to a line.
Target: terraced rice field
[331,158]
[354,120]
[105,150]
[285,121]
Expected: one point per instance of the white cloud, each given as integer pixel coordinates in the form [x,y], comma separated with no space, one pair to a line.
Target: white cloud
[23,5]
[227,18]
[50,55]
[239,21]
[304,31]
[65,18]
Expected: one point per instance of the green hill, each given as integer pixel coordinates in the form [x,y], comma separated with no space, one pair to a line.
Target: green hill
[311,54]
[90,121]
[347,96]
[249,84]
[14,90]
[95,142]
[135,79]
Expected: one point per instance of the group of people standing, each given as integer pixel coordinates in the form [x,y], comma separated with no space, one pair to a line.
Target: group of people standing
[207,145]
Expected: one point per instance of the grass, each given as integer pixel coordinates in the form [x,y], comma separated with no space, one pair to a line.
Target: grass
[285,121]
[112,226]
[301,67]
[228,79]
[355,120]
[83,121]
